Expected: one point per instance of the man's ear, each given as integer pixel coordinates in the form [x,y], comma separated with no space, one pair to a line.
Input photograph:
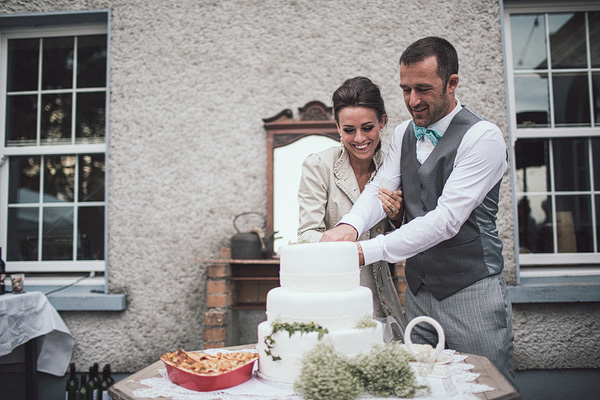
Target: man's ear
[452,83]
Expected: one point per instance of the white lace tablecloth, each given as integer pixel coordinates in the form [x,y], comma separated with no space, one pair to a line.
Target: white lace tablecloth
[459,386]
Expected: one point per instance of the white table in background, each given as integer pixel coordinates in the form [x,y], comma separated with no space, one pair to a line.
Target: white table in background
[29,319]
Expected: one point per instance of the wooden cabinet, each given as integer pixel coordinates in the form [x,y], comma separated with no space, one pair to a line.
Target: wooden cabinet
[238,283]
[251,280]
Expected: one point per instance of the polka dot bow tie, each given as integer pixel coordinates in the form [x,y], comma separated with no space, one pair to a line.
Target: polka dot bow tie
[430,133]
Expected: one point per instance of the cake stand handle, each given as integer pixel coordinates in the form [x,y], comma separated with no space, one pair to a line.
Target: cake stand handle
[441,337]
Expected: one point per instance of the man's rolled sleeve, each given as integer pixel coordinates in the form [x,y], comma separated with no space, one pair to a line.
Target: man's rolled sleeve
[373,249]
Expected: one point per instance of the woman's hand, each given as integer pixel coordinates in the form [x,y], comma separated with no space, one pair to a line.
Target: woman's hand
[392,204]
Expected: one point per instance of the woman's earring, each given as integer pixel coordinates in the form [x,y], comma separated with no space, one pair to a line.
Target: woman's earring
[343,146]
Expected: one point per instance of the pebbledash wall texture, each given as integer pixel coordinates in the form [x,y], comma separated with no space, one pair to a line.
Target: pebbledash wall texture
[190,82]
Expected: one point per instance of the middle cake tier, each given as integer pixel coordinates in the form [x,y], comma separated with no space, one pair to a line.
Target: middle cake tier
[331,310]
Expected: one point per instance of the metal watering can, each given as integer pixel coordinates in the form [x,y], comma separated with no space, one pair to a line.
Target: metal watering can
[253,244]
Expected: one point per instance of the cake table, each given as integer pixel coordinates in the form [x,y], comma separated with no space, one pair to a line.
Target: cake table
[141,385]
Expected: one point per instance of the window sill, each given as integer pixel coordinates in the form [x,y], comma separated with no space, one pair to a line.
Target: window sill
[88,301]
[548,290]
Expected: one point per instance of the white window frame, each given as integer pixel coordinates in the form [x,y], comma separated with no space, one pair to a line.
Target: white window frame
[547,265]
[57,270]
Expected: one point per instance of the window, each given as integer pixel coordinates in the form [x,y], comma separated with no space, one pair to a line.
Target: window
[53,118]
[553,64]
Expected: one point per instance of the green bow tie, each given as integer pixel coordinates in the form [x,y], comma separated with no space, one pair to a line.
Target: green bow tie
[430,133]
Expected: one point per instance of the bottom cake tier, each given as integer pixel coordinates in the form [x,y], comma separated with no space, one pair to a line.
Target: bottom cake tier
[290,349]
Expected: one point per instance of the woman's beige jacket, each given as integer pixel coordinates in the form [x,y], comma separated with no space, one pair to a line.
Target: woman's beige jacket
[328,189]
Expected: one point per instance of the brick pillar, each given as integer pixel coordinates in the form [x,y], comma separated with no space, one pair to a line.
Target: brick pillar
[219,298]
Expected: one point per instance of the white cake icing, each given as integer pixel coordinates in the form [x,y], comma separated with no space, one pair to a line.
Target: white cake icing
[331,310]
[319,284]
[319,267]
[350,342]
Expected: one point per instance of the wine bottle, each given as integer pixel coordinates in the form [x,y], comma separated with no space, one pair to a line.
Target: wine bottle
[107,381]
[72,384]
[2,274]
[82,393]
[92,386]
[97,376]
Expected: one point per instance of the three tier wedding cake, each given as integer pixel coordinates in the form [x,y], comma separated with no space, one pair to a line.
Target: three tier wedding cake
[320,300]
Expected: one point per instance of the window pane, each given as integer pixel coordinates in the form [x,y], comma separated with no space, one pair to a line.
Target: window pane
[528,41]
[24,180]
[532,101]
[598,221]
[21,120]
[571,100]
[57,63]
[22,241]
[532,162]
[567,40]
[574,224]
[91,177]
[594,23]
[57,236]
[59,179]
[596,96]
[535,224]
[596,163]
[91,117]
[22,65]
[91,61]
[571,164]
[56,118]
[90,233]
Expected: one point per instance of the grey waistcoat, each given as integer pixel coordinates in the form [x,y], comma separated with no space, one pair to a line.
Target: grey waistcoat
[476,251]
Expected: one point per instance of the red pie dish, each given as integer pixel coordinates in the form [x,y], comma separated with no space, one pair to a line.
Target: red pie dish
[205,383]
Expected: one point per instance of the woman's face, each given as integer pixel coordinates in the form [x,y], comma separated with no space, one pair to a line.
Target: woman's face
[360,131]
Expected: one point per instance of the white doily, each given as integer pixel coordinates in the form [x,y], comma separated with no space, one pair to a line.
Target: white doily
[459,386]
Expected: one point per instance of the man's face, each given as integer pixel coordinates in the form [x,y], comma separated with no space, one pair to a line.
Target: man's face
[424,91]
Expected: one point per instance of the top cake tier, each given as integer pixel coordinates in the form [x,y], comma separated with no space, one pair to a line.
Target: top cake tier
[319,267]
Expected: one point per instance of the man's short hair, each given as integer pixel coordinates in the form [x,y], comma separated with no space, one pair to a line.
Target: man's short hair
[445,53]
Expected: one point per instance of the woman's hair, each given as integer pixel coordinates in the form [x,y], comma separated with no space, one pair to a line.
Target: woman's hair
[358,92]
[446,55]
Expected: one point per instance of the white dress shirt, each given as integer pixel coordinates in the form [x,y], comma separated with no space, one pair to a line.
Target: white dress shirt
[479,164]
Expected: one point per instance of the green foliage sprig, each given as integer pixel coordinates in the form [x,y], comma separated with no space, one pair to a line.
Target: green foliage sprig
[291,329]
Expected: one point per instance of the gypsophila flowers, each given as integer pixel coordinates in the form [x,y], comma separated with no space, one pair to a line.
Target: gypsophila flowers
[384,372]
[366,322]
[327,375]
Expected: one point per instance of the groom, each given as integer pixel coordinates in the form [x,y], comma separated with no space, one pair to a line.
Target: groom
[449,163]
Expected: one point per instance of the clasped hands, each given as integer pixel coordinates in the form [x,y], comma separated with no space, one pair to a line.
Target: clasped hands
[392,204]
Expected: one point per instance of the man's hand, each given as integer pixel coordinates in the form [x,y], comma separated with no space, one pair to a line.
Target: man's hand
[361,255]
[341,233]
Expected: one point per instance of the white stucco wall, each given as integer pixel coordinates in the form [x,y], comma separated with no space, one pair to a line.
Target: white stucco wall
[190,82]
